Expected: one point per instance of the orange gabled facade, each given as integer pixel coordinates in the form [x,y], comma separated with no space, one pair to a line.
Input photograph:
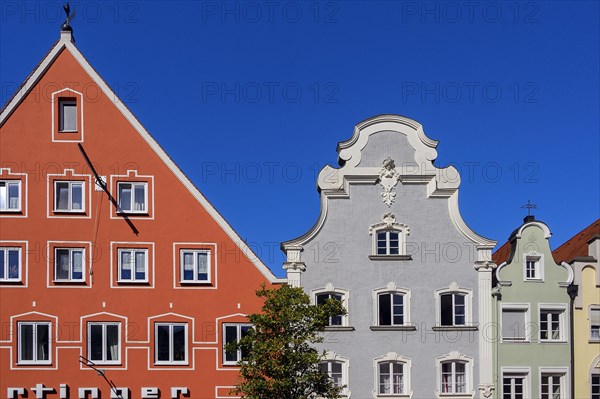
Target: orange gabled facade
[137,276]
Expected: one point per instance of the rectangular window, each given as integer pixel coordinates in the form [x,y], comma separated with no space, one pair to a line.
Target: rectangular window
[133,265]
[104,343]
[532,268]
[322,298]
[595,386]
[195,266]
[68,115]
[69,196]
[335,371]
[551,387]
[391,378]
[234,333]
[10,195]
[391,309]
[513,386]
[133,197]
[595,324]
[171,343]
[453,309]
[10,264]
[34,343]
[513,324]
[551,325]
[69,264]
[388,242]
[454,375]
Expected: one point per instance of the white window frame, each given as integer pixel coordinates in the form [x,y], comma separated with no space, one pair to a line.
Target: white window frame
[555,372]
[4,252]
[387,225]
[539,259]
[332,357]
[331,289]
[132,198]
[71,250]
[455,357]
[512,372]
[70,209]
[238,327]
[171,361]
[594,326]
[62,102]
[454,289]
[133,279]
[195,253]
[562,321]
[35,324]
[527,328]
[392,288]
[392,357]
[104,342]
[4,193]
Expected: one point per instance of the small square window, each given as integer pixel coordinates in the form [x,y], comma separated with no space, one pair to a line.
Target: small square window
[10,264]
[532,268]
[195,266]
[68,115]
[69,264]
[171,343]
[34,343]
[133,197]
[133,265]
[69,196]
[10,195]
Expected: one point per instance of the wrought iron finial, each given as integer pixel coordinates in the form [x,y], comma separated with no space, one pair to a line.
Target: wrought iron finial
[529,206]
[70,16]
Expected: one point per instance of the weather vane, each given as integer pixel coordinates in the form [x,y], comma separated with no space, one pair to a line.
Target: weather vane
[70,17]
[529,207]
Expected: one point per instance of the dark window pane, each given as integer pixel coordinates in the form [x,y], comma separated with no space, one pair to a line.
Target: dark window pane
[43,342]
[385,312]
[96,342]
[446,311]
[13,263]
[230,336]
[112,342]
[179,343]
[26,343]
[162,343]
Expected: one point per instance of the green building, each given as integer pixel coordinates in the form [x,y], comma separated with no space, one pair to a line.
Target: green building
[531,313]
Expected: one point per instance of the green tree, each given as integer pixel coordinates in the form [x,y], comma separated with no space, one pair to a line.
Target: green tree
[281,361]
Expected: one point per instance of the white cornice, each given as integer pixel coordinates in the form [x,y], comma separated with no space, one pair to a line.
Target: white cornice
[539,224]
[66,43]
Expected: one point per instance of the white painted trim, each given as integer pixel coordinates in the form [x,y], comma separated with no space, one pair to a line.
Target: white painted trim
[130,177]
[541,263]
[51,180]
[563,322]
[184,362]
[23,189]
[564,379]
[87,258]
[214,262]
[114,256]
[54,128]
[23,271]
[66,43]
[545,229]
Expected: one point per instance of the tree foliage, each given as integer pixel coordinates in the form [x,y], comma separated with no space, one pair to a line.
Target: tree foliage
[281,361]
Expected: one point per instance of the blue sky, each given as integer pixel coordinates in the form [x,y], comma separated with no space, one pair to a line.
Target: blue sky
[250,98]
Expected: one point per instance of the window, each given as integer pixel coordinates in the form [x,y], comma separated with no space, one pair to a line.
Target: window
[34,343]
[454,377]
[133,197]
[551,325]
[513,386]
[514,326]
[69,264]
[391,309]
[133,265]
[453,309]
[69,196]
[195,266]
[10,264]
[595,386]
[68,115]
[552,386]
[234,333]
[10,195]
[532,268]
[103,343]
[335,371]
[595,324]
[388,242]
[171,343]
[323,297]
[391,378]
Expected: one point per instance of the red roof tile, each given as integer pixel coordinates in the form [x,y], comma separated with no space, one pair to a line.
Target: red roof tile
[502,253]
[578,245]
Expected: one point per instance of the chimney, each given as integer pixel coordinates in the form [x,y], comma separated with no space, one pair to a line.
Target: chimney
[528,218]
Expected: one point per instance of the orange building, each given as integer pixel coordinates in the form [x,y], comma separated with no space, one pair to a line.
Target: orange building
[118,279]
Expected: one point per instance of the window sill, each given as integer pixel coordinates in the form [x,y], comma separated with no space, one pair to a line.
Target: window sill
[455,328]
[394,328]
[69,282]
[515,341]
[550,341]
[127,282]
[338,328]
[11,282]
[10,211]
[33,364]
[594,341]
[68,131]
[65,212]
[390,257]
[171,364]
[133,213]
[206,283]
[231,364]
[533,280]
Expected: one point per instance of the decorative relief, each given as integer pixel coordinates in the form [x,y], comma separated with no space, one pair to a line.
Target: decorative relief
[388,178]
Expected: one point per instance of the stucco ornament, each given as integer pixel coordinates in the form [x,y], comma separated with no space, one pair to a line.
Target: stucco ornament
[388,178]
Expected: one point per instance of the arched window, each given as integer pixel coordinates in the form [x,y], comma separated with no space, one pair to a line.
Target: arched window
[453,307]
[392,375]
[455,375]
[389,239]
[391,308]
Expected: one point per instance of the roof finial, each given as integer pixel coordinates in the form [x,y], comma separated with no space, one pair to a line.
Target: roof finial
[70,17]
[529,206]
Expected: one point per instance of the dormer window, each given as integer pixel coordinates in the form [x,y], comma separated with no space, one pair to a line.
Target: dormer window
[532,267]
[389,239]
[67,115]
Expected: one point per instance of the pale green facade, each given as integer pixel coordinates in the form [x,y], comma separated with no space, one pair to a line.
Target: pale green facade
[531,313]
